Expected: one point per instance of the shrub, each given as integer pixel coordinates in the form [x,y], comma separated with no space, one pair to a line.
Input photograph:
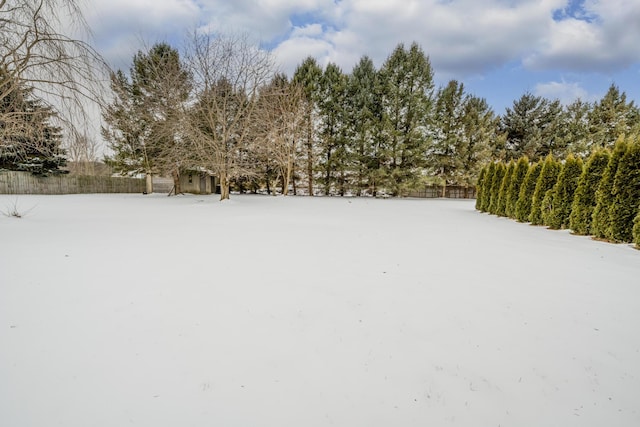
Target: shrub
[520,172]
[585,197]
[501,209]
[479,187]
[563,193]
[626,194]
[486,187]
[496,182]
[523,205]
[636,230]
[546,181]
[601,224]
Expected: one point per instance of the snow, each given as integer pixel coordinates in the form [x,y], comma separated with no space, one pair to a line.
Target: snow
[270,311]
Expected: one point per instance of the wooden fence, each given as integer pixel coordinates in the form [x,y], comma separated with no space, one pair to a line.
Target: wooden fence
[450,192]
[12,182]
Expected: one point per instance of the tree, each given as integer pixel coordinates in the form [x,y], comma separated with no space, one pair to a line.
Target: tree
[494,190]
[574,128]
[307,75]
[280,126]
[60,74]
[30,141]
[601,222]
[523,205]
[407,102]
[228,74]
[519,174]
[611,117]
[444,157]
[501,208]
[626,193]
[531,127]
[636,231]
[144,121]
[546,181]
[479,125]
[331,107]
[364,119]
[584,201]
[563,194]
[486,186]
[480,186]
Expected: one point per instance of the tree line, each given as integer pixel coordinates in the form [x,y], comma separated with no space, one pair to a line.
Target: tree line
[599,197]
[221,107]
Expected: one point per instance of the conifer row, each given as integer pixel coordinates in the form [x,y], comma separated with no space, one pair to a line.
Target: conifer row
[600,198]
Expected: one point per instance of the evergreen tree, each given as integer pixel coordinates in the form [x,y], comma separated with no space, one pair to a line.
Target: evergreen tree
[626,193]
[575,128]
[501,208]
[407,103]
[519,174]
[363,124]
[601,224]
[444,155]
[546,181]
[479,126]
[486,187]
[584,202]
[523,205]
[611,117]
[308,75]
[494,191]
[333,154]
[636,230]
[480,186]
[29,141]
[563,194]
[531,127]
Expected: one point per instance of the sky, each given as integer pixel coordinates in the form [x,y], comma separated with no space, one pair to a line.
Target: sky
[499,49]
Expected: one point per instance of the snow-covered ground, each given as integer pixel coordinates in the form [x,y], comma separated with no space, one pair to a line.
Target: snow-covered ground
[120,310]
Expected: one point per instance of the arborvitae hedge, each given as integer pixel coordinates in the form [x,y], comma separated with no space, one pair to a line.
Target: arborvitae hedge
[496,182]
[636,231]
[520,172]
[486,187]
[501,209]
[523,205]
[601,225]
[563,193]
[585,198]
[479,187]
[546,181]
[626,194]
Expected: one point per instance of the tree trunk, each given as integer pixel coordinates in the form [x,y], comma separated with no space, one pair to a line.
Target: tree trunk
[176,182]
[225,185]
[149,182]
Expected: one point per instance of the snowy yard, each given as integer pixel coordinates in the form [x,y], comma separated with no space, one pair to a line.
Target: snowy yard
[120,310]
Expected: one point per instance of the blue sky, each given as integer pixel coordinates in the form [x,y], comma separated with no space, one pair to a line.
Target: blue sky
[499,49]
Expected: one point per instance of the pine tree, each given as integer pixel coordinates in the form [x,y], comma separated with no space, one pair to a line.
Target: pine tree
[29,141]
[496,182]
[407,104]
[523,205]
[519,174]
[611,117]
[546,181]
[363,124]
[333,153]
[601,224]
[626,193]
[480,186]
[584,202]
[636,230]
[307,75]
[479,127]
[501,208]
[563,194]
[486,187]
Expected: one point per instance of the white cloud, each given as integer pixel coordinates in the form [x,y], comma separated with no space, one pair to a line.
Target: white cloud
[566,92]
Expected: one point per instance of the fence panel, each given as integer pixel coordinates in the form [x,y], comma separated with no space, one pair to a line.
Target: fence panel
[450,192]
[13,182]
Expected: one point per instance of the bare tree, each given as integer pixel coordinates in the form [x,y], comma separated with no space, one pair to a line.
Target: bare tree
[281,124]
[55,68]
[228,73]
